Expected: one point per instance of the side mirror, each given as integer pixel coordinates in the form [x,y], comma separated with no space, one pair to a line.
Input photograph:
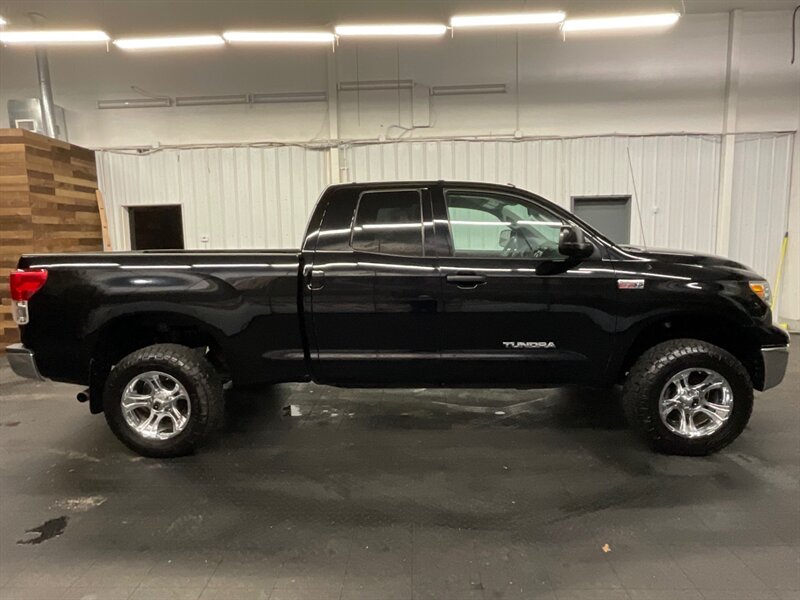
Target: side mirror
[572,244]
[505,237]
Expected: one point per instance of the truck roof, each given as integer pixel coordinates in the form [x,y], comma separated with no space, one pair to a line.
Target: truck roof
[420,182]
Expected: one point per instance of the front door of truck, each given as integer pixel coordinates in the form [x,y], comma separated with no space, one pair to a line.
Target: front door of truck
[514,310]
[373,288]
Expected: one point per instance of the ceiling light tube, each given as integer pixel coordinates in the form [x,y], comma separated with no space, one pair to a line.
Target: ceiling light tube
[508,19]
[212,100]
[185,41]
[623,22]
[281,97]
[468,89]
[375,85]
[135,103]
[279,37]
[424,29]
[53,37]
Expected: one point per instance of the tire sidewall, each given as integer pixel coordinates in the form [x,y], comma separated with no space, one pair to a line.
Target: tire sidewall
[198,394]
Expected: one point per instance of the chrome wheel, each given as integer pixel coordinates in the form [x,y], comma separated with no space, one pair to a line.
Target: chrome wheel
[695,403]
[156,405]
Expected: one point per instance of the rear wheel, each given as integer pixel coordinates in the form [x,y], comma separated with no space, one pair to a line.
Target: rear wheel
[688,397]
[163,400]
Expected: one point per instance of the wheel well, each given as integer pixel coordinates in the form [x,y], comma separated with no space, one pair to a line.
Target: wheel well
[719,332]
[127,334]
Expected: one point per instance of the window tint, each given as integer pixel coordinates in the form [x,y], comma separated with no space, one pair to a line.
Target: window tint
[485,224]
[389,222]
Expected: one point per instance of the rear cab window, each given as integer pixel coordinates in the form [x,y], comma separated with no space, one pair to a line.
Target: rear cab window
[389,222]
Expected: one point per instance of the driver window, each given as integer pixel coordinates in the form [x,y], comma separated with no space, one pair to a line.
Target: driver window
[494,225]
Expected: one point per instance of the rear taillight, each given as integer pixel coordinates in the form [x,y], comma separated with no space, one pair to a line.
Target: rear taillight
[24,284]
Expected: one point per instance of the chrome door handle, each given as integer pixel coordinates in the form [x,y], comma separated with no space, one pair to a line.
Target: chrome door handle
[466,281]
[315,279]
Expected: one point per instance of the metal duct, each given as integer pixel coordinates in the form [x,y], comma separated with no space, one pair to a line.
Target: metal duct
[45,88]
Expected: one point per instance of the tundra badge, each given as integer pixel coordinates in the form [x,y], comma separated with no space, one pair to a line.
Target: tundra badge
[529,345]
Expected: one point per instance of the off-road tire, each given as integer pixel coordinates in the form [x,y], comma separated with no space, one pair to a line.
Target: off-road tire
[648,376]
[194,372]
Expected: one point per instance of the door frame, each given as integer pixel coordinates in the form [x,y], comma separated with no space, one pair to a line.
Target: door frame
[129,220]
[605,197]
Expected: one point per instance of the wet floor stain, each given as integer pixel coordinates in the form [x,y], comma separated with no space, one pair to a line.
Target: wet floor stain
[46,531]
[80,504]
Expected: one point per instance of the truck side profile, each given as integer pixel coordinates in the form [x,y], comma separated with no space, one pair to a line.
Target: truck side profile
[405,284]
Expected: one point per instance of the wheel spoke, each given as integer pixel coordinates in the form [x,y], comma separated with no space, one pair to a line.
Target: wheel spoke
[149,427]
[154,380]
[683,425]
[133,401]
[177,418]
[720,410]
[710,383]
[682,382]
[132,406]
[669,405]
[717,419]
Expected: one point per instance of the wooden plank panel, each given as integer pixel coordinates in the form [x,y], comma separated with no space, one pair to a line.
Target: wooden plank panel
[47,204]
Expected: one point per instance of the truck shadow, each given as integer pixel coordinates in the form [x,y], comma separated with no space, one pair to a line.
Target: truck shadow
[308,405]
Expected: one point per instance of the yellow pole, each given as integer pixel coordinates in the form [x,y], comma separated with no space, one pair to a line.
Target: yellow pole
[779,276]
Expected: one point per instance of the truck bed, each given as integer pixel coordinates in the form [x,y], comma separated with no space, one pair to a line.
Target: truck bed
[155,258]
[235,300]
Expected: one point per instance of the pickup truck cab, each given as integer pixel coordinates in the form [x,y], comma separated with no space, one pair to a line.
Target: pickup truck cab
[405,284]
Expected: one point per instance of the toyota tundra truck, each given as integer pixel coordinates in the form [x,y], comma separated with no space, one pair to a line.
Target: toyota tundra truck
[404,284]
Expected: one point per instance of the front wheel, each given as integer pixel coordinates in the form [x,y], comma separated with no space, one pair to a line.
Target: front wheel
[688,397]
[163,400]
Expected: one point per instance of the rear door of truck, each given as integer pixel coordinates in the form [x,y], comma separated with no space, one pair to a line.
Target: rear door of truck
[373,286]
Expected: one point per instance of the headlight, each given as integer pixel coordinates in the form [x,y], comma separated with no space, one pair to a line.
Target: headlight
[761,289]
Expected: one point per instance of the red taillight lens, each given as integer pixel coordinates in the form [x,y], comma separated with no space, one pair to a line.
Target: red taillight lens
[25,284]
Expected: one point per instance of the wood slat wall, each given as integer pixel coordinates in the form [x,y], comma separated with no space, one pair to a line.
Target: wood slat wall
[47,204]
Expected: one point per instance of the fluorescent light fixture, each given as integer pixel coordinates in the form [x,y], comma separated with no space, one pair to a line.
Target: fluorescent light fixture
[212,100]
[508,19]
[53,37]
[463,90]
[184,41]
[3,22]
[280,37]
[391,30]
[280,97]
[623,22]
[376,85]
[134,103]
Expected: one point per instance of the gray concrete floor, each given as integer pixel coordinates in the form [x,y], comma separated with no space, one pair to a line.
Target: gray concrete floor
[315,492]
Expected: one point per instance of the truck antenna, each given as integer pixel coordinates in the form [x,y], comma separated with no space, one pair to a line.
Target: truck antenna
[636,197]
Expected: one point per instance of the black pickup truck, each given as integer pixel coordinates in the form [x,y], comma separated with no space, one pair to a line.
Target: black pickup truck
[405,284]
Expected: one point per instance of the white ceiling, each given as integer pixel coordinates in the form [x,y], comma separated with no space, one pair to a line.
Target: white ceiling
[126,17]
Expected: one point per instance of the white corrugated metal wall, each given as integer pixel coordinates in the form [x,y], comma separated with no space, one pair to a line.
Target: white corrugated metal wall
[254,197]
[260,196]
[676,176]
[760,211]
